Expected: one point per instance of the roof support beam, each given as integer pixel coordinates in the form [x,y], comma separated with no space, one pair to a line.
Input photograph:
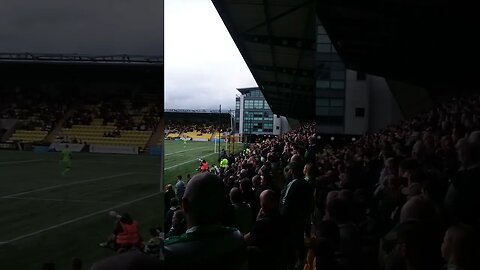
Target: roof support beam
[288,42]
[281,15]
[286,70]
[292,86]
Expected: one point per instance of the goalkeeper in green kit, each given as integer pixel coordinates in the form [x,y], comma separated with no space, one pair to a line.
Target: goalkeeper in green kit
[66,160]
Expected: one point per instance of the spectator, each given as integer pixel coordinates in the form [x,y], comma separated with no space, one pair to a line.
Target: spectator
[327,240]
[296,205]
[462,199]
[125,235]
[169,194]
[339,212]
[460,248]
[179,225]
[268,234]
[242,211]
[180,187]
[248,195]
[416,246]
[206,244]
[204,166]
[155,243]
[174,207]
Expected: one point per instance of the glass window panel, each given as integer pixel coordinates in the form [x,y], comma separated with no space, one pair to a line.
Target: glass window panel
[336,66]
[323,47]
[321,30]
[323,39]
[336,102]
[336,111]
[337,75]
[338,85]
[328,57]
[322,110]
[323,84]
[324,102]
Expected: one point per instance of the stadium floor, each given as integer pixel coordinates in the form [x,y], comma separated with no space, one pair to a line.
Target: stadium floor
[45,216]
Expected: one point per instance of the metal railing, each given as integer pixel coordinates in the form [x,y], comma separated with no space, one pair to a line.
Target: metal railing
[82,58]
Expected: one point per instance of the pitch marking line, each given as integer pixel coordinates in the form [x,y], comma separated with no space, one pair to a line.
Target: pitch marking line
[188,150]
[68,184]
[189,161]
[94,213]
[56,200]
[77,219]
[20,161]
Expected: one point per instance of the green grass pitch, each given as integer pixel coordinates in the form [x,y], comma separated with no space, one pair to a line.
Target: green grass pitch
[46,217]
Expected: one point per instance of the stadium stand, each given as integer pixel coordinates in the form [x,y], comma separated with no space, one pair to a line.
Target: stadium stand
[203,131]
[36,114]
[384,201]
[108,125]
[120,121]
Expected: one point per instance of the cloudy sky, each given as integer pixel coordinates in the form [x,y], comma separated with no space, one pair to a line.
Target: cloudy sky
[86,27]
[203,66]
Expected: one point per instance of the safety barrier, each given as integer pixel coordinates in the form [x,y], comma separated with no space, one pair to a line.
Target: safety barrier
[113,149]
[74,147]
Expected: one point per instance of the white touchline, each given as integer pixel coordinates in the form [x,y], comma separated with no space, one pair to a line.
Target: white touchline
[186,162]
[69,184]
[20,161]
[203,147]
[55,200]
[92,214]
[77,219]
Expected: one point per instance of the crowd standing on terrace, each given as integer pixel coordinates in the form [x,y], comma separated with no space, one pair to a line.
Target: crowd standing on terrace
[403,198]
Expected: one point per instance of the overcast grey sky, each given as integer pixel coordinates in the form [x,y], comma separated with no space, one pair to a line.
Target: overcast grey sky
[203,66]
[85,27]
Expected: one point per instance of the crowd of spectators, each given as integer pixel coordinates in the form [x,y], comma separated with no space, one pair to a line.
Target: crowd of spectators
[40,109]
[79,117]
[205,127]
[34,110]
[403,198]
[112,134]
[384,201]
[119,112]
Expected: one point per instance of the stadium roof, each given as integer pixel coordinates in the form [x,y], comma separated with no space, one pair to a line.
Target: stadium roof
[277,41]
[427,43]
[209,111]
[247,90]
[81,58]
[85,69]
[424,42]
